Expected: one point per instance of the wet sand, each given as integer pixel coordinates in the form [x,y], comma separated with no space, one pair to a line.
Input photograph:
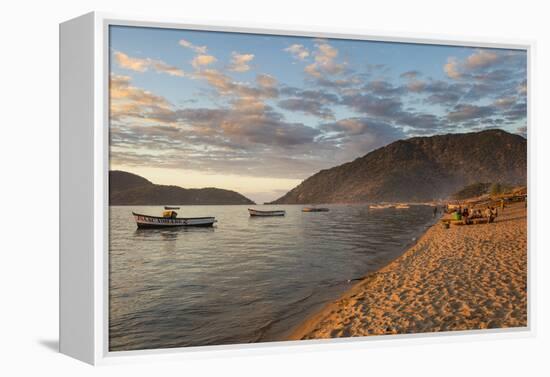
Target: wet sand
[461,278]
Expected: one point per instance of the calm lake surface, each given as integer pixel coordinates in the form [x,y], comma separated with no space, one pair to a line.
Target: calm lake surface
[247,279]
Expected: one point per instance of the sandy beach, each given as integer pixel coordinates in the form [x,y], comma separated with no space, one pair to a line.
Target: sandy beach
[461,278]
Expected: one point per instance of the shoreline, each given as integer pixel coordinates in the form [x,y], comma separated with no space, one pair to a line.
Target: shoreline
[463,278]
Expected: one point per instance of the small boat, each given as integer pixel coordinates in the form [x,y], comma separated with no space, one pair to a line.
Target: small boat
[314,209]
[168,208]
[147,222]
[380,206]
[255,212]
[402,206]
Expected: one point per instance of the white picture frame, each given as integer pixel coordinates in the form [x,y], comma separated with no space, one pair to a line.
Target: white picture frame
[84,159]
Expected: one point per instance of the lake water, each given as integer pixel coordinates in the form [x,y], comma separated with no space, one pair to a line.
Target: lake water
[247,279]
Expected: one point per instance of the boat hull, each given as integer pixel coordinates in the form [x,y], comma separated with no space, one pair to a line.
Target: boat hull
[152,222]
[255,212]
[315,209]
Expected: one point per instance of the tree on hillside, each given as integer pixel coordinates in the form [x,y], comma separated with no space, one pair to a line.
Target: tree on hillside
[472,191]
[498,188]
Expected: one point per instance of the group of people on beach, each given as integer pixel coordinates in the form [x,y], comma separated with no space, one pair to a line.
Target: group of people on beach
[469,213]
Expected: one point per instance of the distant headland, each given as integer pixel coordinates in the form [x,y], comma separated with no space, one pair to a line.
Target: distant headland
[131,189]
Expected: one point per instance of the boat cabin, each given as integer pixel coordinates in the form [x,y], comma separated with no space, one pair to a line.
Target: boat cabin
[169,214]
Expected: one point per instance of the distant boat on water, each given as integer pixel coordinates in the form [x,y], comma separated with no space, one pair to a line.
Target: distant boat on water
[148,222]
[380,206]
[255,212]
[314,209]
[167,207]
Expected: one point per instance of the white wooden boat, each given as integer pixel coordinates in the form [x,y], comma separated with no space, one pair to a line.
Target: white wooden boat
[146,221]
[256,212]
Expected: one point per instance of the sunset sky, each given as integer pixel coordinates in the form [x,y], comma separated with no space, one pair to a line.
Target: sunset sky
[259,113]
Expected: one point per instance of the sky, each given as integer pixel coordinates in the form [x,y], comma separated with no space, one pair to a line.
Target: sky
[258,114]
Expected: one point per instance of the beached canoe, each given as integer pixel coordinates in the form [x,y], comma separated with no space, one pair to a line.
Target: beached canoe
[146,221]
[314,209]
[255,212]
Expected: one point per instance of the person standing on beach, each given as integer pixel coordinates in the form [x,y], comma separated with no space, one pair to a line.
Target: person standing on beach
[435,211]
[488,214]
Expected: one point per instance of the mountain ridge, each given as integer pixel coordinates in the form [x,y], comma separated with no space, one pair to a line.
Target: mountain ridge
[418,169]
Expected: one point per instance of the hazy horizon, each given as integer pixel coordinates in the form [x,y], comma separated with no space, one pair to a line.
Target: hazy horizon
[258,114]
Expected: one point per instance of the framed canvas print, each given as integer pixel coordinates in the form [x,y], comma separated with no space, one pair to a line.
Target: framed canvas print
[225,188]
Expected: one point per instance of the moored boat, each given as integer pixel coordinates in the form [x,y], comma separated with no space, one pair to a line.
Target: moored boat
[256,212]
[147,221]
[314,209]
[380,206]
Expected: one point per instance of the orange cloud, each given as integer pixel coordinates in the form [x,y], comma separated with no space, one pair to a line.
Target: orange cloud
[325,61]
[197,49]
[201,60]
[451,68]
[133,64]
[239,62]
[143,64]
[298,51]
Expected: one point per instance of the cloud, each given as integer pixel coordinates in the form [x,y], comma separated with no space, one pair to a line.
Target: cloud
[127,101]
[486,65]
[410,75]
[324,61]
[416,86]
[133,64]
[481,59]
[440,92]
[504,102]
[239,62]
[144,64]
[198,49]
[246,125]
[359,135]
[516,112]
[202,60]
[452,69]
[321,96]
[352,126]
[298,51]
[391,110]
[247,120]
[306,106]
[225,85]
[383,88]
[266,81]
[468,112]
[162,67]
[372,105]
